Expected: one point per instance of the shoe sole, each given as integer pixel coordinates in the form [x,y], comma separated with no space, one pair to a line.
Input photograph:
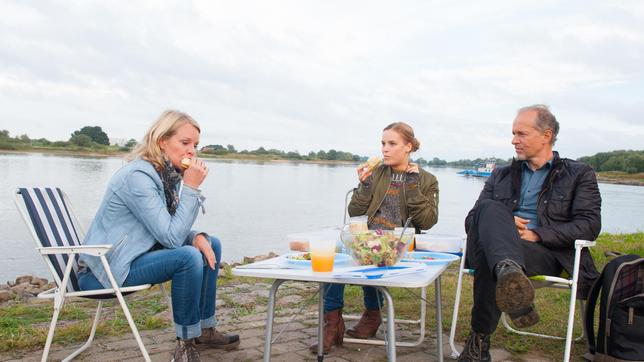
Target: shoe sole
[525,319]
[350,333]
[225,347]
[514,293]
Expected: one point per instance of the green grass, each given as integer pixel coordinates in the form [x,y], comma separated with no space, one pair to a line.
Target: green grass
[24,326]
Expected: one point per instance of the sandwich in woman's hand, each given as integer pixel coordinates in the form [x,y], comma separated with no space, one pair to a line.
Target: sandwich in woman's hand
[185,163]
[373,162]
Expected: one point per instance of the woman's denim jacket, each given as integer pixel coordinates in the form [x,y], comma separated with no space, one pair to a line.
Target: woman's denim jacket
[133,216]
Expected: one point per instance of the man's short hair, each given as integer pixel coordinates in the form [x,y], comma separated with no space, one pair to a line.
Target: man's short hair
[545,119]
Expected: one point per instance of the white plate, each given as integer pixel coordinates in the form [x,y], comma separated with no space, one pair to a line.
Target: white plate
[429,257]
[338,259]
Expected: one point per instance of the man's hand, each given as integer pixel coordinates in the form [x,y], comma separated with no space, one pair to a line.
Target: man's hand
[529,235]
[521,224]
[203,245]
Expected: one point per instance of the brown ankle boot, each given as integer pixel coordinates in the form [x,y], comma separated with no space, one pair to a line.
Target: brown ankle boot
[333,331]
[367,325]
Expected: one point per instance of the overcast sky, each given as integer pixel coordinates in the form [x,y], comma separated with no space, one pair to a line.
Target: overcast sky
[303,75]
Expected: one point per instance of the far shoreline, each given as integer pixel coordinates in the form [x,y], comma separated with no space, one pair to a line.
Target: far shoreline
[608,177]
[118,154]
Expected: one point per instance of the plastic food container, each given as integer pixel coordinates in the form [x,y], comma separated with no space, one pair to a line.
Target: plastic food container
[301,241]
[439,242]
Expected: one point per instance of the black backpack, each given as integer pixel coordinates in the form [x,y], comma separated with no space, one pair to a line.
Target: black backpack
[620,336]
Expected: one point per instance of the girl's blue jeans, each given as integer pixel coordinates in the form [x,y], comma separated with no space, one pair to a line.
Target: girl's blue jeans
[194,284]
[334,297]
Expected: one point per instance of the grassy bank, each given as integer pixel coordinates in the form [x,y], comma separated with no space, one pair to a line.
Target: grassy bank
[23,326]
[621,178]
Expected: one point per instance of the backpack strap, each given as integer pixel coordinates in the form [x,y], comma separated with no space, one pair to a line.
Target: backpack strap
[589,318]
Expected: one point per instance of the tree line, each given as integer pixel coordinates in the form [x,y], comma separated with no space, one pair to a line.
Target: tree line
[94,138]
[465,163]
[330,155]
[88,137]
[628,161]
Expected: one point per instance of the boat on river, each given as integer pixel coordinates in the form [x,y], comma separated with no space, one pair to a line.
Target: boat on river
[481,171]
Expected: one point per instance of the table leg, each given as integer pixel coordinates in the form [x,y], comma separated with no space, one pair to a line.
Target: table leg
[321,324]
[439,320]
[269,319]
[391,325]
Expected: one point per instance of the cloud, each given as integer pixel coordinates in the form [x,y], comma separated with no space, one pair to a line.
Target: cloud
[307,75]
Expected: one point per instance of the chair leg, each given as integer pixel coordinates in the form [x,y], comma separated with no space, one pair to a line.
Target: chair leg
[126,310]
[166,295]
[130,321]
[91,334]
[571,319]
[457,301]
[582,311]
[52,328]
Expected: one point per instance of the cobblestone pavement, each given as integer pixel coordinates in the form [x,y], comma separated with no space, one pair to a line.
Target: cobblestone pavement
[295,322]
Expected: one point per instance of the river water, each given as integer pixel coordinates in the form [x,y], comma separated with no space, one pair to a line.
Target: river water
[250,206]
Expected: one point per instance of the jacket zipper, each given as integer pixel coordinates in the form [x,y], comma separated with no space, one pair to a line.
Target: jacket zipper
[403,212]
[383,199]
[118,244]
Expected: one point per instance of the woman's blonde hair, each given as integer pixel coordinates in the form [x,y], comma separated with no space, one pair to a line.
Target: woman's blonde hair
[406,132]
[163,128]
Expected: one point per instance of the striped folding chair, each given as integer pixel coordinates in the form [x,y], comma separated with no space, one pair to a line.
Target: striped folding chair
[538,281]
[55,229]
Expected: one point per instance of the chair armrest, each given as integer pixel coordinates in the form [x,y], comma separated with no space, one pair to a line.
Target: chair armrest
[584,243]
[96,250]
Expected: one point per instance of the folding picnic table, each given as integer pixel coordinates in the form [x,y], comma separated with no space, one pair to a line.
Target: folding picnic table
[281,271]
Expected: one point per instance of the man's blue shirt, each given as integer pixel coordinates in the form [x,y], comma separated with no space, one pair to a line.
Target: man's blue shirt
[531,184]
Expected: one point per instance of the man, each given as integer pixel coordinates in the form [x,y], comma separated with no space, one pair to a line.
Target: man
[524,223]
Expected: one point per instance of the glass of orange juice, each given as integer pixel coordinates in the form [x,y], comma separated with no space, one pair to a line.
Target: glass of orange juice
[322,254]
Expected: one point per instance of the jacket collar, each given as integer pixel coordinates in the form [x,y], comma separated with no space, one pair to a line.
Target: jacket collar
[556,163]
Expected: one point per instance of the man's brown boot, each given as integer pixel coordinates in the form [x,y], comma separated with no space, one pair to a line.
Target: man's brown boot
[367,325]
[515,294]
[333,331]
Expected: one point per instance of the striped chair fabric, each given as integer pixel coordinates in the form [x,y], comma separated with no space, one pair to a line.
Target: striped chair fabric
[54,226]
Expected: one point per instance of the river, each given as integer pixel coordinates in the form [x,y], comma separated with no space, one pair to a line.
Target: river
[250,206]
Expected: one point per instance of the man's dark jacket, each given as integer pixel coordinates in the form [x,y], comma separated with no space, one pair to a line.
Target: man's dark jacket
[568,209]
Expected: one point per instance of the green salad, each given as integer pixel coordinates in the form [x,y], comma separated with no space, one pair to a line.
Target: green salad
[303,256]
[377,247]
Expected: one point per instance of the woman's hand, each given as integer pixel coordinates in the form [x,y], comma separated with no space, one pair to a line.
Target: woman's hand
[412,168]
[364,171]
[194,175]
[203,245]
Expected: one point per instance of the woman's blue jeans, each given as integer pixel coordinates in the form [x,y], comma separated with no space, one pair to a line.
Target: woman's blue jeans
[194,284]
[334,297]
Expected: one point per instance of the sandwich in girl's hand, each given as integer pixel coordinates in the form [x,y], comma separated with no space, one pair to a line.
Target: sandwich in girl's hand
[372,163]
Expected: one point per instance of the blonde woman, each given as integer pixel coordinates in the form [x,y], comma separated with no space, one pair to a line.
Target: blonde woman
[146,215]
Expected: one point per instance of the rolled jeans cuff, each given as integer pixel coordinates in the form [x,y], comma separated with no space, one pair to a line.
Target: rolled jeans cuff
[209,323]
[188,332]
